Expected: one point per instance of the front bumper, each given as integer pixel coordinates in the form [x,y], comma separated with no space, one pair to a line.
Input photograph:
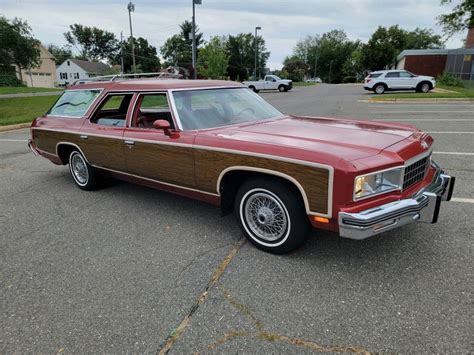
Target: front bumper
[421,207]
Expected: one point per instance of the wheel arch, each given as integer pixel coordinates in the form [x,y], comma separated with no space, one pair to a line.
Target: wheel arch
[63,149]
[227,187]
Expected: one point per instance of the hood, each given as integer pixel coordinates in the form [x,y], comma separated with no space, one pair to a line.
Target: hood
[346,139]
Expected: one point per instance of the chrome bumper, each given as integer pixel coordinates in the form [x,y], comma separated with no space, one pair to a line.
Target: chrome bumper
[30,145]
[422,207]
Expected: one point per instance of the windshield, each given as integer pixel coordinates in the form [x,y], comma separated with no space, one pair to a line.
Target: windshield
[201,109]
[73,103]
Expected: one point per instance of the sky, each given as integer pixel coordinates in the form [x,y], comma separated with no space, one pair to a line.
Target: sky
[283,22]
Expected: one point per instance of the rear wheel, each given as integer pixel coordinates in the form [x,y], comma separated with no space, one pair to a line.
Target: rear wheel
[379,89]
[271,215]
[83,174]
[251,87]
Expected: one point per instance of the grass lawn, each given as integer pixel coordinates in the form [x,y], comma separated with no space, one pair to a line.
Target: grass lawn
[455,92]
[24,90]
[301,83]
[24,109]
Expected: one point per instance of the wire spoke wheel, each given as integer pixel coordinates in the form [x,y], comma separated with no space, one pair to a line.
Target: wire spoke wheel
[79,169]
[266,216]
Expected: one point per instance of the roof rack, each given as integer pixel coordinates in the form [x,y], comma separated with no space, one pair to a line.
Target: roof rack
[158,75]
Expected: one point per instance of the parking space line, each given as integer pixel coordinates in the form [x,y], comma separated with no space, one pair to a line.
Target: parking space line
[448,132]
[454,153]
[382,112]
[464,200]
[425,119]
[13,140]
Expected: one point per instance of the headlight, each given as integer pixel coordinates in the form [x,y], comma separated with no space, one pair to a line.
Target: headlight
[377,183]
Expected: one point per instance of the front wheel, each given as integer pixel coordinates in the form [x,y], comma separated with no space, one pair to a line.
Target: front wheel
[282,88]
[271,215]
[425,87]
[83,174]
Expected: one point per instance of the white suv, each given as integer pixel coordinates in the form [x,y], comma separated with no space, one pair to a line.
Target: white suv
[384,80]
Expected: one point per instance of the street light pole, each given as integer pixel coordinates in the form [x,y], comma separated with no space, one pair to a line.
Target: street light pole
[315,63]
[131,8]
[121,53]
[256,50]
[330,69]
[194,49]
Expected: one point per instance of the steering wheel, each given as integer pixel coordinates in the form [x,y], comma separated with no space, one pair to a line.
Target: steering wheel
[248,109]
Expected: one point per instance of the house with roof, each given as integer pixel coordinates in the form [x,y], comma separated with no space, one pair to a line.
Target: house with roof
[76,69]
[44,75]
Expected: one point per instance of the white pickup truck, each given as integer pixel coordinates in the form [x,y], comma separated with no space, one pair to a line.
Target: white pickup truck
[269,82]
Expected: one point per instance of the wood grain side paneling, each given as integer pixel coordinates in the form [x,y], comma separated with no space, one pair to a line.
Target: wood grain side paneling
[47,140]
[166,163]
[315,181]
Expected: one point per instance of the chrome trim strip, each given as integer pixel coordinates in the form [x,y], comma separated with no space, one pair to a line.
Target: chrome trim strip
[157,181]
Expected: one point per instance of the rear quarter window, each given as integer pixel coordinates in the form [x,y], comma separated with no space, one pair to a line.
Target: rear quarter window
[374,75]
[74,103]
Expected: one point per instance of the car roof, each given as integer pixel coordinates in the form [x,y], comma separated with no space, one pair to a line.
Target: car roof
[387,71]
[154,84]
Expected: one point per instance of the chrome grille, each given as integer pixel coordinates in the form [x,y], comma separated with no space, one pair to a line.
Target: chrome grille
[415,172]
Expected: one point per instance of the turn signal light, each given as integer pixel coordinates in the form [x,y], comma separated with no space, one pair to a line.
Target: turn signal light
[321,219]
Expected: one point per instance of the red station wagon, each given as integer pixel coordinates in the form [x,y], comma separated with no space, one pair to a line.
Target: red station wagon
[219,142]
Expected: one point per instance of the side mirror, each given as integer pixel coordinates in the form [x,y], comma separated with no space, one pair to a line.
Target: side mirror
[161,124]
[165,126]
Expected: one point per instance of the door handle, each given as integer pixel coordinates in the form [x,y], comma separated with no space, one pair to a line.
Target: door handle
[129,143]
[83,137]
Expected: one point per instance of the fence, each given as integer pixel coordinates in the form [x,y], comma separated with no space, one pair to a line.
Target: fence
[460,63]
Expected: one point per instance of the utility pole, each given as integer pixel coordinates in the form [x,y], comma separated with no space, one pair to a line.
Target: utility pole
[121,53]
[315,64]
[330,69]
[131,8]
[256,51]
[195,2]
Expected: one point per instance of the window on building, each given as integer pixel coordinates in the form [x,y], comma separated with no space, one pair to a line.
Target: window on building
[68,63]
[63,76]
[76,75]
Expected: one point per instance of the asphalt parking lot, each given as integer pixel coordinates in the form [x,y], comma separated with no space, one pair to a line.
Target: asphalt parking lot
[131,269]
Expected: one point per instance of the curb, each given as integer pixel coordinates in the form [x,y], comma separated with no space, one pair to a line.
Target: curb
[415,101]
[15,126]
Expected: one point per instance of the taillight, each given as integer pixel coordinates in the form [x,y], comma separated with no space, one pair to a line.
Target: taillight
[368,80]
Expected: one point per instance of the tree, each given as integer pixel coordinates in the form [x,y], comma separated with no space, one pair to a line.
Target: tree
[386,43]
[214,59]
[295,67]
[459,19]
[60,53]
[177,49]
[93,43]
[17,45]
[241,50]
[326,54]
[146,56]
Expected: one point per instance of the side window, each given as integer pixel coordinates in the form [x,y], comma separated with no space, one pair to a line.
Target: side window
[376,75]
[405,74]
[393,75]
[152,107]
[74,103]
[113,110]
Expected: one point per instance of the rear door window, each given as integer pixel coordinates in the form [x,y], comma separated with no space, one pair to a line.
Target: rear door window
[113,110]
[74,103]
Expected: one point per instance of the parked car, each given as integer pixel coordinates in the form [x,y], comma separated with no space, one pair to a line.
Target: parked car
[269,82]
[386,80]
[314,80]
[219,142]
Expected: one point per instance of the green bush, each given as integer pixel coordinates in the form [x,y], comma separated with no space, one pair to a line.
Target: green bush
[449,80]
[10,80]
[350,79]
